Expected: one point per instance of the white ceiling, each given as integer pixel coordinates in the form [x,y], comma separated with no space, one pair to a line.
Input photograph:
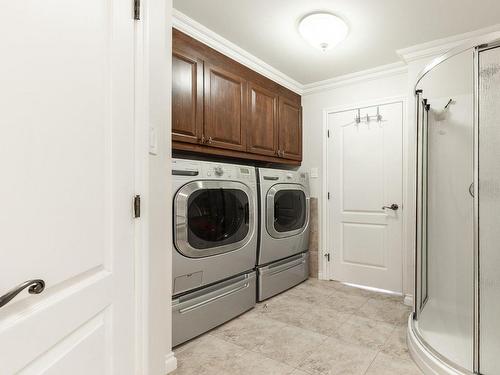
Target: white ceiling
[268,29]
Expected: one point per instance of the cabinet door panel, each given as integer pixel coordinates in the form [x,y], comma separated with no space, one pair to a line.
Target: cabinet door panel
[225,106]
[262,128]
[290,129]
[187,98]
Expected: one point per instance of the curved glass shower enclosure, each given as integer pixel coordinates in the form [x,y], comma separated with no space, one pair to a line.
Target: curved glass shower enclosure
[455,327]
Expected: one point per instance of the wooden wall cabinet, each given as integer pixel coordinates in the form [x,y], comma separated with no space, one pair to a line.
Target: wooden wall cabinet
[220,107]
[187,98]
[290,130]
[262,125]
[225,98]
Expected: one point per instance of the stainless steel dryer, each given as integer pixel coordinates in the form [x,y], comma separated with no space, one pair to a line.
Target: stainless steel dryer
[215,245]
[283,259]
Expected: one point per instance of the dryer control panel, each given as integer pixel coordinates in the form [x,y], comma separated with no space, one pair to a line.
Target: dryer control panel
[270,175]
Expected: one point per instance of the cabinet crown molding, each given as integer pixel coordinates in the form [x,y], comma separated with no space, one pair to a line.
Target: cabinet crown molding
[203,34]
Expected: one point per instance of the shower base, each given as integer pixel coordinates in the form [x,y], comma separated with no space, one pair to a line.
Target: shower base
[427,359]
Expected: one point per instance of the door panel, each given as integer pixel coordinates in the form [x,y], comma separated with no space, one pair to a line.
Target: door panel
[225,101]
[68,98]
[290,129]
[365,173]
[489,207]
[187,98]
[262,129]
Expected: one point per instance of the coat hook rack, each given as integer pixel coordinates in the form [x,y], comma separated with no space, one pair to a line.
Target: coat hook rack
[367,118]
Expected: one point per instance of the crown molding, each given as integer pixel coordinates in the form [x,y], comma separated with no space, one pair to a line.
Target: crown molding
[196,30]
[441,46]
[379,72]
[407,55]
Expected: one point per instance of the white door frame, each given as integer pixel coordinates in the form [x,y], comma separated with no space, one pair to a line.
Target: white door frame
[145,328]
[326,268]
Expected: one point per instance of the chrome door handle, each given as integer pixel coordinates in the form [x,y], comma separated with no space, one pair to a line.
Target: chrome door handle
[393,207]
[35,287]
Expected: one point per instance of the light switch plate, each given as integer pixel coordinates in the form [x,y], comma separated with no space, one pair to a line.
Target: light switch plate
[153,140]
[314,173]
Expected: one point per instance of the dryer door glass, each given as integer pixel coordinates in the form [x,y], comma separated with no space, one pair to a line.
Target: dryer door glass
[289,210]
[217,217]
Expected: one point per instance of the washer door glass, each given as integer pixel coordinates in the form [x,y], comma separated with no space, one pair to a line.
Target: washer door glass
[287,213]
[217,217]
[212,217]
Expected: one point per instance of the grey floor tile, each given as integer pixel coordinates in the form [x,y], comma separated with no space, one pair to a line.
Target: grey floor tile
[396,346]
[249,331]
[283,308]
[336,357]
[385,365]
[321,320]
[251,363]
[384,310]
[291,345]
[205,356]
[365,332]
[344,302]
[316,328]
[299,372]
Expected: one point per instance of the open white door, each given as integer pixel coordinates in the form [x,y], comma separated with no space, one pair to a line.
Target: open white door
[364,175]
[67,183]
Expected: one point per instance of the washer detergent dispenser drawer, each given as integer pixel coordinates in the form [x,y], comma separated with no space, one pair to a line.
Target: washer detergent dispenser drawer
[202,310]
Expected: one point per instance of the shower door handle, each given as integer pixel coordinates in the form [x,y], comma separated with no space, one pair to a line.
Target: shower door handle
[393,207]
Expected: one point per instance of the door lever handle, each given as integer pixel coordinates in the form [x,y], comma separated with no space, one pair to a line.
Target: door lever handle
[35,287]
[393,207]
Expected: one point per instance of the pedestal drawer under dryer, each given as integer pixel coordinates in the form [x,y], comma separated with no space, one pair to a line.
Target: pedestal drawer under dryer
[282,275]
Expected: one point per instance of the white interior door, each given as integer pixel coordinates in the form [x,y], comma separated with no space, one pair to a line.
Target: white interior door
[67,182]
[365,174]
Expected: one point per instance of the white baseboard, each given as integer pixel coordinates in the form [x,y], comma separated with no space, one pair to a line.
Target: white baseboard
[170,363]
[408,301]
[321,276]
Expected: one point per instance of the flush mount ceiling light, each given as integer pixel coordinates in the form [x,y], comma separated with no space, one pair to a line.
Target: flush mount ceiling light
[323,30]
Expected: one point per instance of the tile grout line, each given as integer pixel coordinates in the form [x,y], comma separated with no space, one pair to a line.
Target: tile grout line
[371,363]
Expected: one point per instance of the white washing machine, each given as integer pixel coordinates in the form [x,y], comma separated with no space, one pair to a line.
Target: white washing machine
[283,259]
[215,244]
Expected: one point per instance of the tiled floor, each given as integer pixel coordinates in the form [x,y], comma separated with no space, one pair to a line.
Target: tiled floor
[318,327]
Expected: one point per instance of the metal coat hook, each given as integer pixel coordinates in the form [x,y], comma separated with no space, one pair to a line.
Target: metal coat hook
[358,117]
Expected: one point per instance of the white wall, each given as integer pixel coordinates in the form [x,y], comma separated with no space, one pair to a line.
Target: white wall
[159,207]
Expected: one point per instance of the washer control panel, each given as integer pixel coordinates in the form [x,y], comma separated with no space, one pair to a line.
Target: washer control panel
[209,170]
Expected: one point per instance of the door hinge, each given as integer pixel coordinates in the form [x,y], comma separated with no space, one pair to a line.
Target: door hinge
[327,256]
[328,133]
[137,206]
[137,9]
[328,194]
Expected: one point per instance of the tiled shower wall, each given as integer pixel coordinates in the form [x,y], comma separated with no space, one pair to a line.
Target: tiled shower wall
[313,238]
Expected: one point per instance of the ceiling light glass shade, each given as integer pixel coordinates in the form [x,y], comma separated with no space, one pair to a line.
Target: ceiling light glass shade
[323,30]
